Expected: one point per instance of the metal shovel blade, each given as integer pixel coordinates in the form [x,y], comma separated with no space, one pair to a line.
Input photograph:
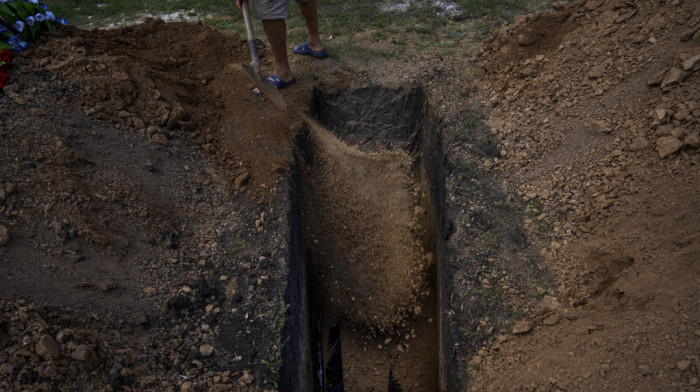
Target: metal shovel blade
[264,85]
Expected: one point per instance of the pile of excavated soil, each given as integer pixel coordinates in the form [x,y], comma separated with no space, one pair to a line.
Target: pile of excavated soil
[142,213]
[595,104]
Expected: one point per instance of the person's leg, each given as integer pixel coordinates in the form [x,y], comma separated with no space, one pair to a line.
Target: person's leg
[308,9]
[276,31]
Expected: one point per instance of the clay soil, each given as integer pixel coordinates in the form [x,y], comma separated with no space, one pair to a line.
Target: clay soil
[144,198]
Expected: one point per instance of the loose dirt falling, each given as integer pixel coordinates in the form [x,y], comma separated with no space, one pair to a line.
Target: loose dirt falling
[363,233]
[364,244]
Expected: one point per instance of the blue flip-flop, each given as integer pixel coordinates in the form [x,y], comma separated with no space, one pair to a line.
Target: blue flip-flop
[306,50]
[279,83]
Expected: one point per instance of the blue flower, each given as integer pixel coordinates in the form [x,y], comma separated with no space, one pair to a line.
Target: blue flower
[19,25]
[39,18]
[50,16]
[17,44]
[44,6]
[63,21]
[34,1]
[30,20]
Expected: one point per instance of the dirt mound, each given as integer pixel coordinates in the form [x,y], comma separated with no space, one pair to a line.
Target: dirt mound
[131,254]
[597,119]
[165,80]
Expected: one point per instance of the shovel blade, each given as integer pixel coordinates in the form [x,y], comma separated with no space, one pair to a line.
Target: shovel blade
[264,85]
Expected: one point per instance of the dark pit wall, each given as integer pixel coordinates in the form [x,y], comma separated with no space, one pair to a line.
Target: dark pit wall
[370,192]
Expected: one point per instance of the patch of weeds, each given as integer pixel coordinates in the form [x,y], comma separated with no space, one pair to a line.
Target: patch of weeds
[490,238]
[455,35]
[534,207]
[363,52]
[379,35]
[399,41]
[481,30]
[275,361]
[238,245]
[545,228]
[467,166]
[446,53]
[486,142]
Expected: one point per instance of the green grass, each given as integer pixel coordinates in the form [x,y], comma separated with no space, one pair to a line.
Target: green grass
[422,25]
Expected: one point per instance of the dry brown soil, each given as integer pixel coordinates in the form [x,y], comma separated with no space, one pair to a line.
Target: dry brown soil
[144,198]
[596,108]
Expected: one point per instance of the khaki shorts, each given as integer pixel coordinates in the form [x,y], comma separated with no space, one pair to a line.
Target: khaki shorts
[272,9]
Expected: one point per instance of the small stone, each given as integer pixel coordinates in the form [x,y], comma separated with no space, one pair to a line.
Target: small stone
[206,350]
[657,78]
[551,320]
[6,368]
[660,113]
[419,210]
[138,123]
[639,143]
[585,330]
[692,64]
[644,370]
[417,310]
[692,140]
[122,76]
[667,145]
[247,378]
[10,188]
[522,327]
[674,76]
[85,354]
[47,348]
[241,181]
[149,291]
[160,139]
[4,236]
[597,71]
[683,365]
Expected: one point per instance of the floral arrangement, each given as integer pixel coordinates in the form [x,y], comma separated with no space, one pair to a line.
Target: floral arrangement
[5,61]
[20,22]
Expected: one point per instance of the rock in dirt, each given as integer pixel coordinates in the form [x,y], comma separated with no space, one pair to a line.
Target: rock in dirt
[85,354]
[246,379]
[47,348]
[551,320]
[522,327]
[206,350]
[657,78]
[692,64]
[683,365]
[160,139]
[692,140]
[597,72]
[241,181]
[667,145]
[639,143]
[674,76]
[4,236]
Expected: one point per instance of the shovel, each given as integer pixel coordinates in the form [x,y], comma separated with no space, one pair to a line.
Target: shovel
[253,70]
